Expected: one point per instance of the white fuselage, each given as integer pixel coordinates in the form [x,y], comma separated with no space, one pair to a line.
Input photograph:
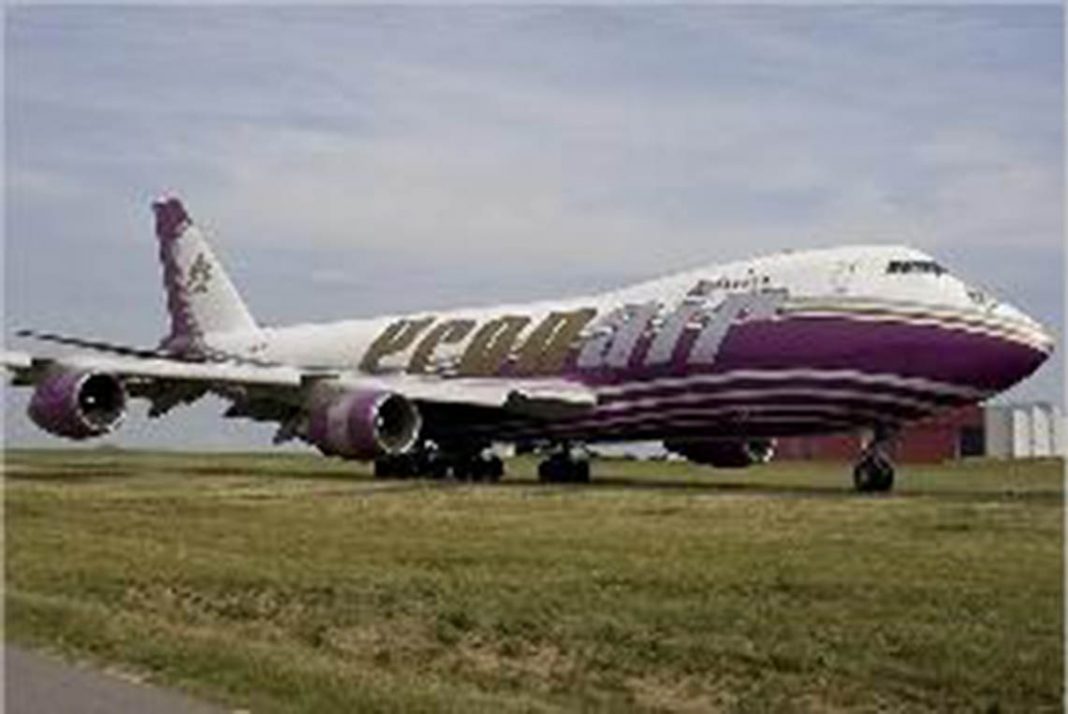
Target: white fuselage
[793,342]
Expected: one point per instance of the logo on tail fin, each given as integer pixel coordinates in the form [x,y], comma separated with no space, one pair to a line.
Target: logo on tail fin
[201,298]
[199,275]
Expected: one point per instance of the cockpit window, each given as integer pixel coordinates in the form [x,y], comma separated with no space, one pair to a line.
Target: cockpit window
[915,267]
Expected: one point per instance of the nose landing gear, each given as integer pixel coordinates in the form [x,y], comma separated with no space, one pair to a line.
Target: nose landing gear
[874,472]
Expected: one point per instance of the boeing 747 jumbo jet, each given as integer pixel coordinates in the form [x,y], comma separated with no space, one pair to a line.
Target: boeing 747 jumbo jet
[715,363]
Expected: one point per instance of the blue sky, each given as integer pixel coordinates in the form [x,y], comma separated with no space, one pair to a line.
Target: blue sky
[354,160]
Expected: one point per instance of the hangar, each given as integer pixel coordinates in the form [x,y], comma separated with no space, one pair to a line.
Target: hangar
[1008,431]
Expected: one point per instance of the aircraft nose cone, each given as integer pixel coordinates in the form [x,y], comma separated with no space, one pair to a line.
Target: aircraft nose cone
[1027,326]
[1025,345]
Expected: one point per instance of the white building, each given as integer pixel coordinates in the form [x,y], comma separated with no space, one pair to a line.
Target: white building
[1015,431]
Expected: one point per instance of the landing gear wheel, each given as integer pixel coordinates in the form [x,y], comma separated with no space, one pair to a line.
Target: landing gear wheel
[400,466]
[561,468]
[494,469]
[580,471]
[874,472]
[476,467]
[549,471]
[438,468]
[873,475]
[383,469]
[461,469]
[479,469]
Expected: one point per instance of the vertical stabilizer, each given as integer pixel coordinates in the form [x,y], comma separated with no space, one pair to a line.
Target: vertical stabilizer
[201,298]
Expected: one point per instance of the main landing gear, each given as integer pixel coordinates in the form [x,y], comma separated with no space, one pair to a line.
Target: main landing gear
[427,462]
[565,466]
[478,467]
[874,472]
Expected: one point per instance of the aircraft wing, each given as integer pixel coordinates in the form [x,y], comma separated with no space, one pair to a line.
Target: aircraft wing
[27,369]
[157,377]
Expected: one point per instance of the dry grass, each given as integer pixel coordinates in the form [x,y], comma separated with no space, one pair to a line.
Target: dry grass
[290,583]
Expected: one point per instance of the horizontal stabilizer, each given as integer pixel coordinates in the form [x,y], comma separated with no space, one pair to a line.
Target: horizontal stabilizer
[98,345]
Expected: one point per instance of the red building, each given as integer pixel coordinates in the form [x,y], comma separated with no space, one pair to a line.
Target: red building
[952,435]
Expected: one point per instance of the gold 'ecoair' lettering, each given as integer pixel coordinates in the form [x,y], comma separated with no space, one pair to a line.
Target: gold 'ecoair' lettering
[398,337]
[490,346]
[545,351]
[449,331]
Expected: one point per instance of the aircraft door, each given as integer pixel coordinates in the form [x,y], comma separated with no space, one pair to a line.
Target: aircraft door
[843,275]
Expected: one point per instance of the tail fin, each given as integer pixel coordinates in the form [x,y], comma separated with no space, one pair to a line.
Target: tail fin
[201,299]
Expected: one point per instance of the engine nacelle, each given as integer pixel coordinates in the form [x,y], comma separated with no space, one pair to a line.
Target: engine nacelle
[363,424]
[78,404]
[722,453]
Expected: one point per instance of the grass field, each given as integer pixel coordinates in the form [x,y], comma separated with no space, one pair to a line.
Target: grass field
[291,583]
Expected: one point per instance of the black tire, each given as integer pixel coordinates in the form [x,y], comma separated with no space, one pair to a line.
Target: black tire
[461,469]
[862,477]
[884,480]
[384,468]
[544,472]
[419,465]
[550,471]
[479,469]
[580,471]
[558,469]
[406,467]
[873,475]
[438,468]
[495,469]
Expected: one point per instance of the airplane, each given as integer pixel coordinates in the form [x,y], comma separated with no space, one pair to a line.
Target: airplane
[716,363]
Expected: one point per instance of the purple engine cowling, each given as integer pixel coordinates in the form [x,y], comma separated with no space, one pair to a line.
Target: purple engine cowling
[78,404]
[363,424]
[723,453]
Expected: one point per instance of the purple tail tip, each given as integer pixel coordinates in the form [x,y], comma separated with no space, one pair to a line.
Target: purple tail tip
[171,218]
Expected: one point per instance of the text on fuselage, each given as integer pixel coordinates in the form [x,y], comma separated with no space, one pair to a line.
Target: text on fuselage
[521,345]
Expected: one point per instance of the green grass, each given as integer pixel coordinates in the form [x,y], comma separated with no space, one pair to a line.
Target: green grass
[292,583]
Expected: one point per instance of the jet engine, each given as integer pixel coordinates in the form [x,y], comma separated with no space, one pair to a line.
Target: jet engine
[363,424]
[723,453]
[78,404]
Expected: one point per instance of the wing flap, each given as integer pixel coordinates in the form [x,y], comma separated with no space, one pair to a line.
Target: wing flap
[530,397]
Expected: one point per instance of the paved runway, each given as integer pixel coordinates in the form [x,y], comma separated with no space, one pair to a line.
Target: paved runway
[35,684]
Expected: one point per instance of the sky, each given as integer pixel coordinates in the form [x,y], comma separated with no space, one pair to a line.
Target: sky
[349,161]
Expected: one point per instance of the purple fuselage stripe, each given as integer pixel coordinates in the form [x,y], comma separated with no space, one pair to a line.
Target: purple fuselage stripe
[776,412]
[935,353]
[879,390]
[930,352]
[836,374]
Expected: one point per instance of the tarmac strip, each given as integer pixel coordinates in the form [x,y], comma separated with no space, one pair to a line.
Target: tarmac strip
[37,684]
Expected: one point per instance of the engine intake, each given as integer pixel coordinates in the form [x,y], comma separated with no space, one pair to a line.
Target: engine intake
[363,424]
[78,404]
[723,454]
